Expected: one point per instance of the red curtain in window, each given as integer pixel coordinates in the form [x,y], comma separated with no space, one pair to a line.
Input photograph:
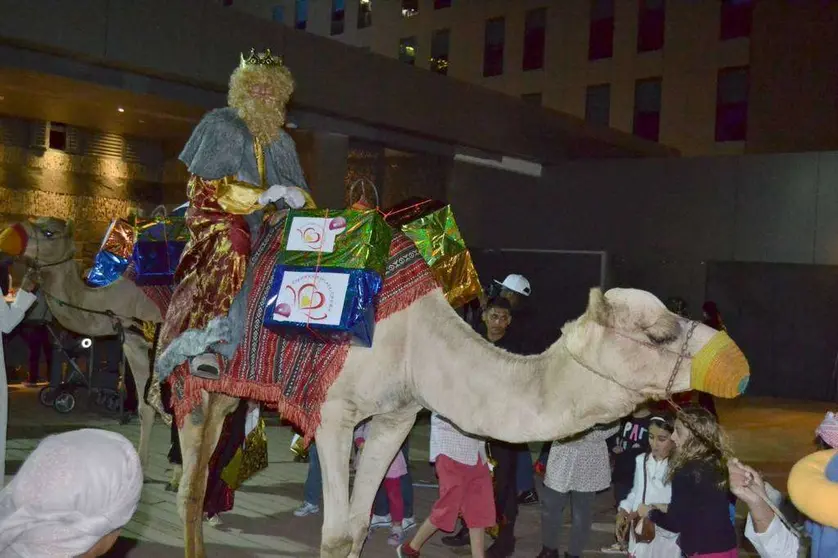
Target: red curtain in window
[650,28]
[601,39]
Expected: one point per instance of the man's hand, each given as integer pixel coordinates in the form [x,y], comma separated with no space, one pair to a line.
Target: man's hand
[745,483]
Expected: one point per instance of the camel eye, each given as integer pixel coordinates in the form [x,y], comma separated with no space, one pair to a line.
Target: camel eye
[48,234]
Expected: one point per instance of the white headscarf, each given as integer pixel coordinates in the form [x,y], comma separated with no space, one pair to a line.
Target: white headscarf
[74,489]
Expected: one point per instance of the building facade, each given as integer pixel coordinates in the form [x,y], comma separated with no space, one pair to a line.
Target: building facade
[705,77]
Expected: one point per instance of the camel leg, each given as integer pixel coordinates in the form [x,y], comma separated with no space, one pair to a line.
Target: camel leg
[198,438]
[136,353]
[387,433]
[334,443]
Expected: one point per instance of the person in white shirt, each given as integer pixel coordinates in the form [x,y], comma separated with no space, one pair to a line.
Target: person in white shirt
[465,488]
[651,488]
[10,316]
[770,537]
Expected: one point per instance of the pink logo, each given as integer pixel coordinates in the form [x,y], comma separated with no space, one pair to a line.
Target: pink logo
[337,224]
[308,299]
[283,309]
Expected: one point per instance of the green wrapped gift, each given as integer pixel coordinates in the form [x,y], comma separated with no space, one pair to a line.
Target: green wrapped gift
[438,239]
[347,238]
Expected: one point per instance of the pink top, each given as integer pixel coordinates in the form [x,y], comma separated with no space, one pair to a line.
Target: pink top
[398,468]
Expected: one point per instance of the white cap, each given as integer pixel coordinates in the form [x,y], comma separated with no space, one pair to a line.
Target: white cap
[516,283]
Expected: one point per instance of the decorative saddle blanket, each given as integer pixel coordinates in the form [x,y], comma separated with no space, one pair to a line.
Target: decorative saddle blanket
[294,375]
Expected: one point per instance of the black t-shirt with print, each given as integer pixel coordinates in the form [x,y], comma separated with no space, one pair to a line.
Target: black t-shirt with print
[633,438]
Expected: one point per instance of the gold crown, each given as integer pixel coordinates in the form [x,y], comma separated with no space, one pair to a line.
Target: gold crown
[260,58]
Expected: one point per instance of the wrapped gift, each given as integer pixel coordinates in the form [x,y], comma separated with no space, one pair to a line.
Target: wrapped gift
[158,246]
[438,239]
[347,239]
[251,458]
[331,305]
[114,254]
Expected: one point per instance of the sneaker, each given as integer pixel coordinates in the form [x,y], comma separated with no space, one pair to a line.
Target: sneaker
[404,551]
[615,548]
[408,523]
[396,537]
[306,510]
[214,521]
[528,498]
[380,522]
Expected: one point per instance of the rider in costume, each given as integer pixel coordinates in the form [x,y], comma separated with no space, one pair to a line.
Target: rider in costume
[242,166]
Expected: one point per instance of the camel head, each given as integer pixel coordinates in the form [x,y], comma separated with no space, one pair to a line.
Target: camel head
[44,241]
[630,337]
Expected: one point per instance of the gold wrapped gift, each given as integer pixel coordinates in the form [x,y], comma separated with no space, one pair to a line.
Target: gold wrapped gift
[438,239]
[299,447]
[249,459]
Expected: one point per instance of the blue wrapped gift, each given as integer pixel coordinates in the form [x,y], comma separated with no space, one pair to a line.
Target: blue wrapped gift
[156,262]
[331,305]
[107,268]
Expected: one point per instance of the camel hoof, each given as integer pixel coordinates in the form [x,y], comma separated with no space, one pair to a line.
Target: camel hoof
[339,548]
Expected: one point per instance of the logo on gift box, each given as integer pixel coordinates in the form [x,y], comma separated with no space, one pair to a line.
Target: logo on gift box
[309,296]
[315,234]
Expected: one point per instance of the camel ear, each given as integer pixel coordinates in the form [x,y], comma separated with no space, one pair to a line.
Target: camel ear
[598,308]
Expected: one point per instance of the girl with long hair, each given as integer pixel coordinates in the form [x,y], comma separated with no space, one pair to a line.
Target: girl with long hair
[699,509]
[652,487]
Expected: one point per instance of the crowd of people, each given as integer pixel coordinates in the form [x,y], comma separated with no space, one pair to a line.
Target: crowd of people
[674,481]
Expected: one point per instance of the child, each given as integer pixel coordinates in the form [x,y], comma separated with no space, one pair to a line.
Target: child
[465,487]
[698,473]
[392,485]
[631,441]
[651,487]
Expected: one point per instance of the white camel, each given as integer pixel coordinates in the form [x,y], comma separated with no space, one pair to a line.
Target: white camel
[626,348]
[48,245]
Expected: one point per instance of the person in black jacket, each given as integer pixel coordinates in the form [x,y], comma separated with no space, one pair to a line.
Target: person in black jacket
[699,510]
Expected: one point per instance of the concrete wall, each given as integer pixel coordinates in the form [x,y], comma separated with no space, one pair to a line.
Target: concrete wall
[661,220]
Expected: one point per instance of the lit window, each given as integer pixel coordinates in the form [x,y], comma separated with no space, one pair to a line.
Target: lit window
[735,19]
[493,43]
[598,104]
[535,30]
[647,108]
[338,16]
[441,4]
[301,14]
[407,50]
[732,105]
[410,8]
[440,43]
[601,30]
[651,23]
[364,13]
[57,136]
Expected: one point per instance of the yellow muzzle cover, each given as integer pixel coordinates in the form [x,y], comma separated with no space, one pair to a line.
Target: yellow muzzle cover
[12,241]
[720,368]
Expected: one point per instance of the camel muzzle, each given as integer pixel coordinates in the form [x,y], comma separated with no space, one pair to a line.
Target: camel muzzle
[13,241]
[720,368]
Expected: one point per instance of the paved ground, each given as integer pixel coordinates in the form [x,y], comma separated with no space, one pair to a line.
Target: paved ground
[770,434]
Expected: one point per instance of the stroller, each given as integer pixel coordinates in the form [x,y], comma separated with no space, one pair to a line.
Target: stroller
[103,380]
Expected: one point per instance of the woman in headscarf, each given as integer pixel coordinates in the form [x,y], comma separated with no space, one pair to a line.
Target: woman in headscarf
[71,497]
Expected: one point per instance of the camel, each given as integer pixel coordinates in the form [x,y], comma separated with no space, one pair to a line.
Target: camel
[48,244]
[626,348]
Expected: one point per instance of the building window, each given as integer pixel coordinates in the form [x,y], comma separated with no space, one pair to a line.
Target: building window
[57,136]
[535,30]
[410,8]
[651,23]
[647,108]
[440,44]
[735,20]
[407,50]
[598,104]
[338,17]
[301,14]
[440,4]
[364,13]
[732,105]
[278,14]
[493,42]
[601,30]
[532,98]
